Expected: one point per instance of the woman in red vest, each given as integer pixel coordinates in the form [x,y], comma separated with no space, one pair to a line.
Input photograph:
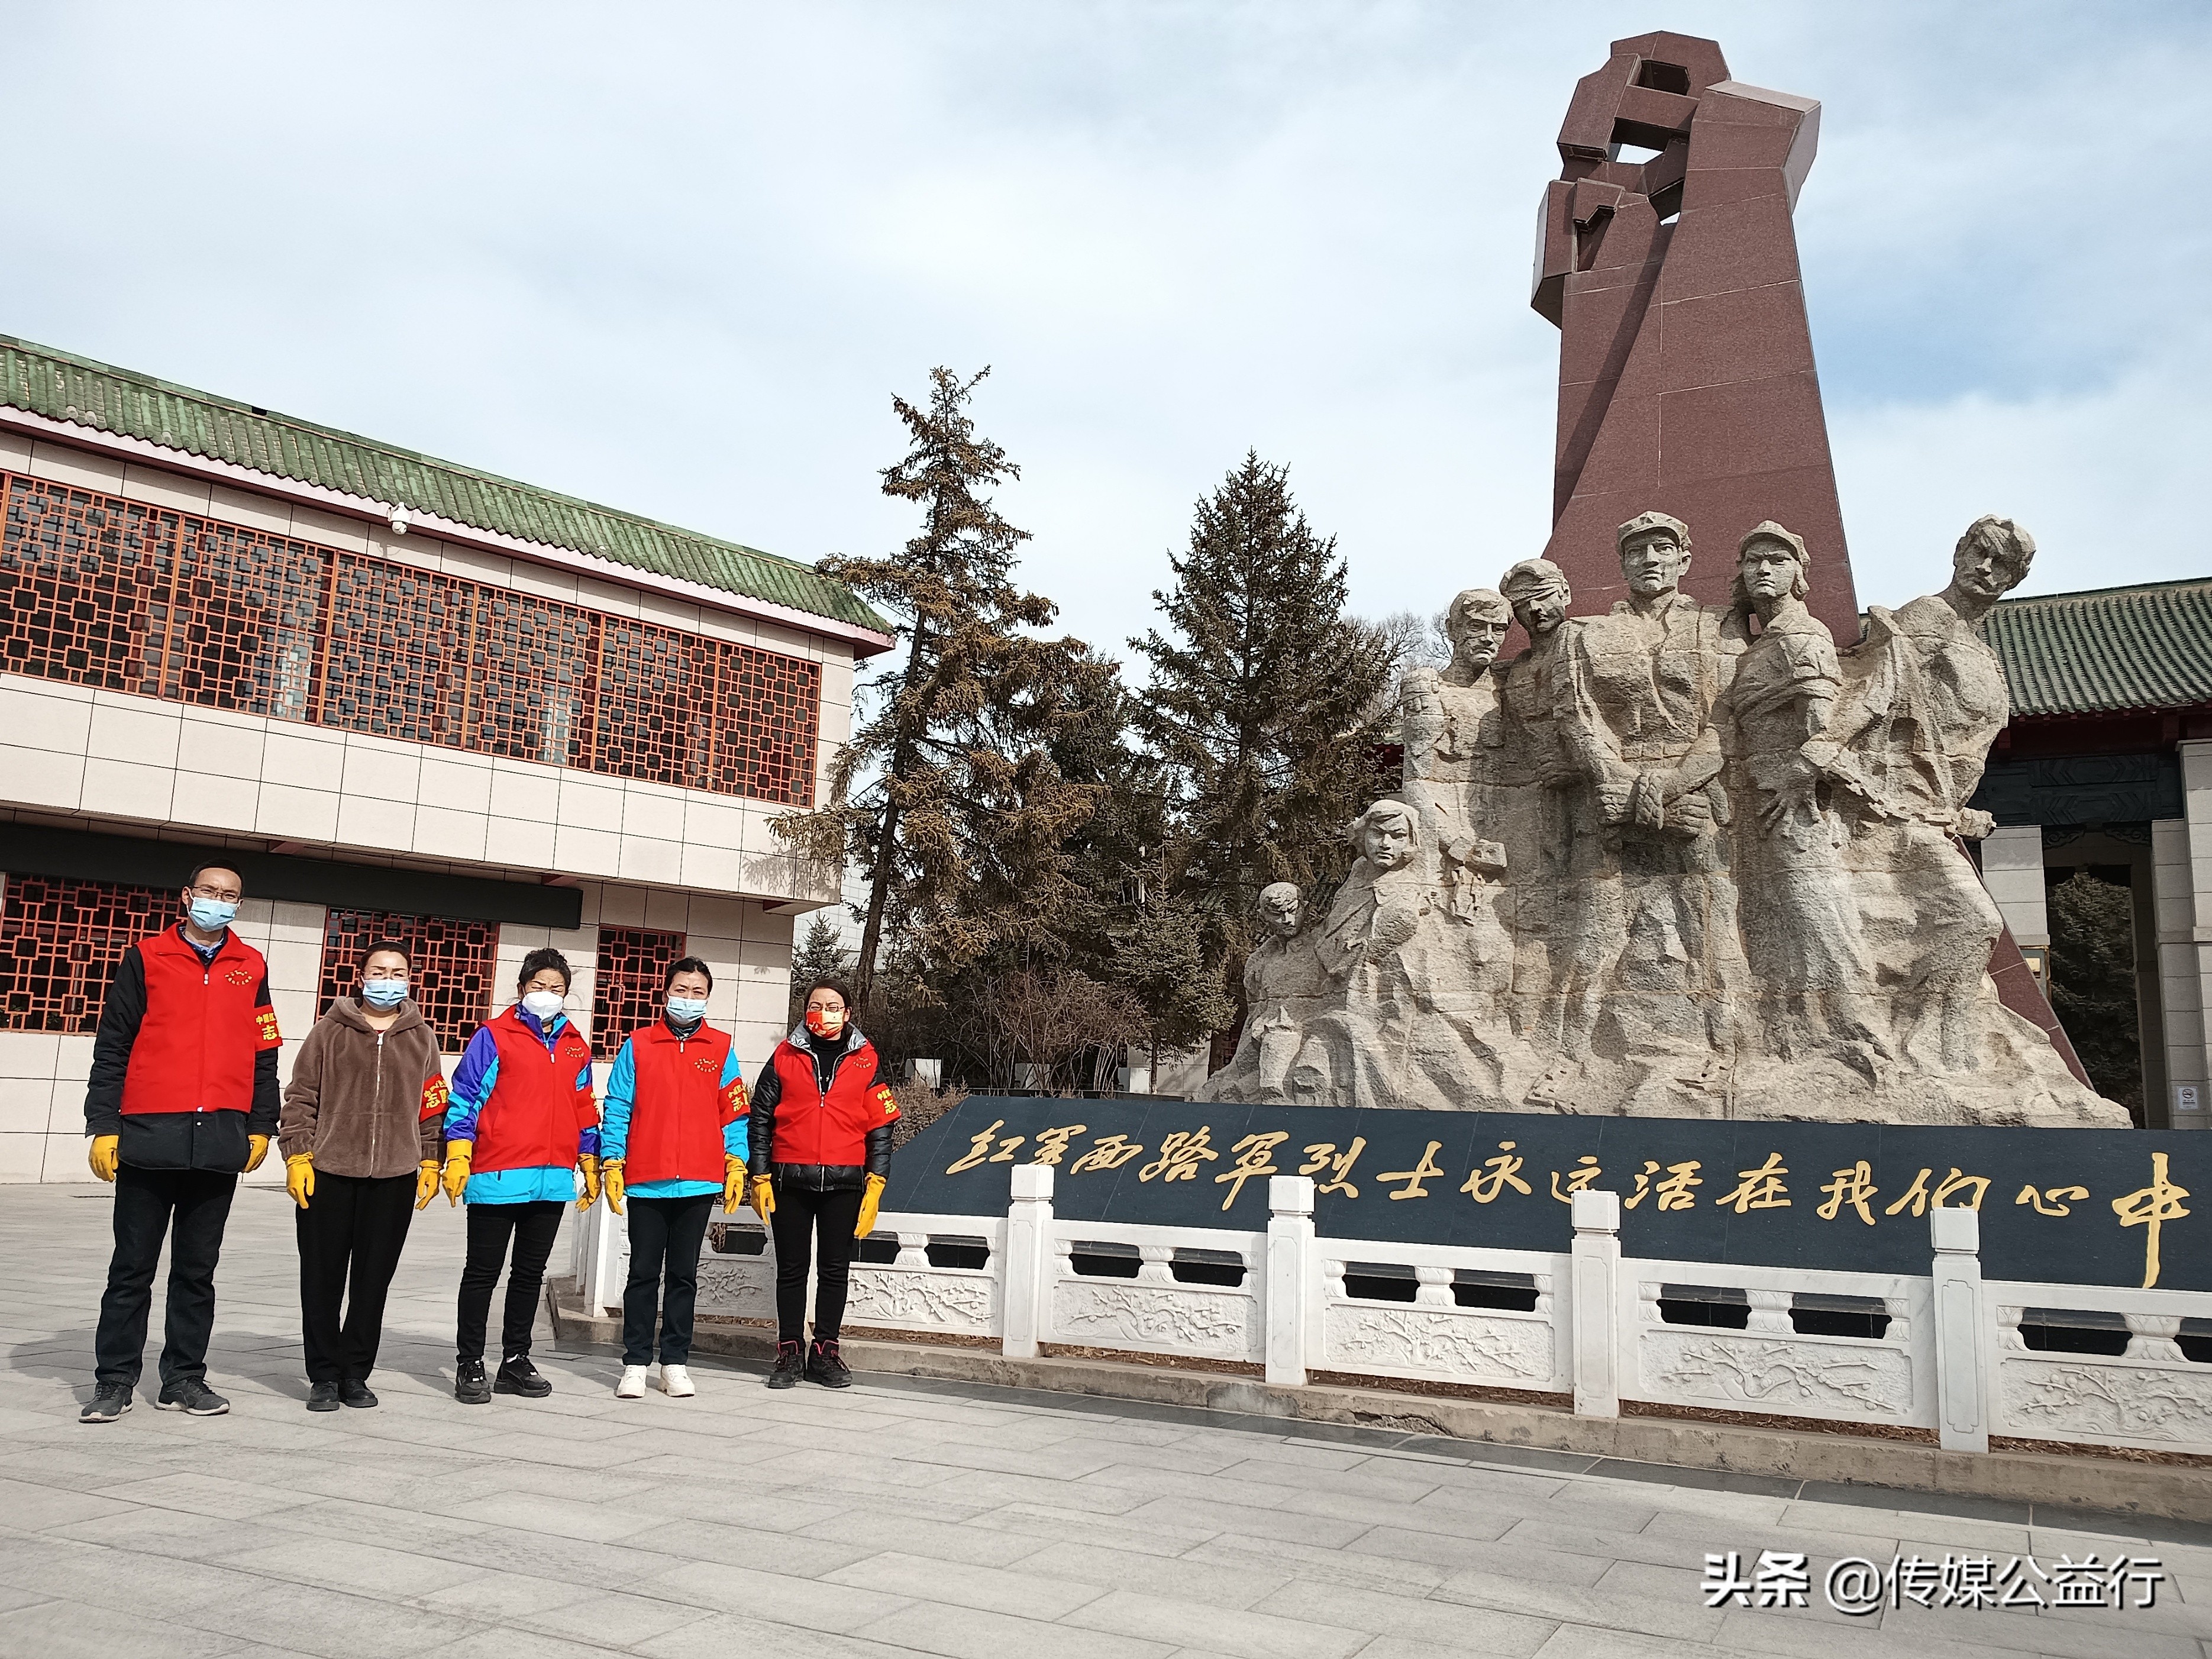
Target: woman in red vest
[519,1124]
[672,1140]
[821,1150]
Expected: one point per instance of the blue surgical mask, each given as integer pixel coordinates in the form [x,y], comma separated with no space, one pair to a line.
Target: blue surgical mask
[686,1011]
[212,915]
[384,992]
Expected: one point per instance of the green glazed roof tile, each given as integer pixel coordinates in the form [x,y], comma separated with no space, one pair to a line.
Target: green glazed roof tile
[63,387]
[2107,650]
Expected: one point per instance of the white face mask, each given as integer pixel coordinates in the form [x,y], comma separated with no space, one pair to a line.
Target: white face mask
[543,1004]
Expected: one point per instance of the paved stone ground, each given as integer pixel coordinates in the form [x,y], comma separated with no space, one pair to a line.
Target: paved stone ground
[897,1518]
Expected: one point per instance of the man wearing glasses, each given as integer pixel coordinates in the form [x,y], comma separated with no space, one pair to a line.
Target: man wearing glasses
[182,1098]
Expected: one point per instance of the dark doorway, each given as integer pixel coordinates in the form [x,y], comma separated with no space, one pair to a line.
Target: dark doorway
[2092,977]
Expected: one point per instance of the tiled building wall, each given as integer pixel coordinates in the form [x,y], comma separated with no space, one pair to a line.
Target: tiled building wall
[42,1074]
[116,754]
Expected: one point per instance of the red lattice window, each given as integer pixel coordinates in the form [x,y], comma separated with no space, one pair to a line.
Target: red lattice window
[84,583]
[529,674]
[766,713]
[626,990]
[396,658]
[98,591]
[243,620]
[656,704]
[452,966]
[60,941]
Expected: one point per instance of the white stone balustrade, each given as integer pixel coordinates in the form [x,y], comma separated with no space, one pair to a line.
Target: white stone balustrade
[1946,1354]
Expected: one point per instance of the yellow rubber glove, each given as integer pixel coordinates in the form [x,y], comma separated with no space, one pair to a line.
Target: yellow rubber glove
[590,1166]
[763,1197]
[299,1177]
[107,1152]
[733,1182]
[457,1153]
[426,1182]
[869,1199]
[257,1149]
[610,1177]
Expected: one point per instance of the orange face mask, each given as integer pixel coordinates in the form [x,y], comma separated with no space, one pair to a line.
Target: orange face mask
[825,1022]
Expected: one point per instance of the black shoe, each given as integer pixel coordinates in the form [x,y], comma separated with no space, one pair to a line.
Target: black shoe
[825,1366]
[322,1397]
[471,1386]
[193,1398]
[518,1376]
[109,1401]
[356,1393]
[789,1362]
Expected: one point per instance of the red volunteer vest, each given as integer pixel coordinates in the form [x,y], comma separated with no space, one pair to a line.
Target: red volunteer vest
[677,1116]
[810,1128]
[536,1111]
[202,1028]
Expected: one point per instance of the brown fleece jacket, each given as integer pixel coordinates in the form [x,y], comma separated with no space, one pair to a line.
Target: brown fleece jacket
[366,1103]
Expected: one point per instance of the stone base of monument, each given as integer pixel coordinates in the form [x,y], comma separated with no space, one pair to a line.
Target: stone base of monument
[1693,1451]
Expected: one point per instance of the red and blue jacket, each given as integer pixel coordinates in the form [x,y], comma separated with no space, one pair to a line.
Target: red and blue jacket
[523,1094]
[676,1107]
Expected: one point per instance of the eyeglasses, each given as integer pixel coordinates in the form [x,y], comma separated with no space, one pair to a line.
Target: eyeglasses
[220,894]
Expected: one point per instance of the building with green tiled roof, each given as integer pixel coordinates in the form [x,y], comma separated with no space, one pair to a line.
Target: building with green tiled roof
[2105,771]
[99,398]
[405,698]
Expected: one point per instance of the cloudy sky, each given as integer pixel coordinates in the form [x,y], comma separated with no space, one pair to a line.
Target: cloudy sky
[676,259]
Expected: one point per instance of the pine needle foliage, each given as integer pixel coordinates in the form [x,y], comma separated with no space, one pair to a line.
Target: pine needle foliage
[1265,703]
[948,799]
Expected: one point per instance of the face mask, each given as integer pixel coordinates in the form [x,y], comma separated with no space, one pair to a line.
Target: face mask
[686,1011]
[543,1004]
[384,992]
[212,915]
[825,1022]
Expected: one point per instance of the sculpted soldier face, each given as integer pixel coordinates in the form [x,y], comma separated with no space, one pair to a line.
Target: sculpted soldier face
[1386,843]
[1770,570]
[1280,907]
[1540,610]
[1654,563]
[1983,570]
[1477,627]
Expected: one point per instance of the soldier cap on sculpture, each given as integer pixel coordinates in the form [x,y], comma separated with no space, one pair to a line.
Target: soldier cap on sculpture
[2002,540]
[1646,526]
[1280,892]
[1534,576]
[1386,811]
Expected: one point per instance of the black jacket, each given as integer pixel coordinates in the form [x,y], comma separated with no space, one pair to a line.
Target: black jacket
[768,1094]
[166,1140]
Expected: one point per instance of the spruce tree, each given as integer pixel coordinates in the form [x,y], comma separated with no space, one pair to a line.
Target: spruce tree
[949,798]
[1265,704]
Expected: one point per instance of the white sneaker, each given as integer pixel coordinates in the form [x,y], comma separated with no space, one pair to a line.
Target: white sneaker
[675,1381]
[632,1386]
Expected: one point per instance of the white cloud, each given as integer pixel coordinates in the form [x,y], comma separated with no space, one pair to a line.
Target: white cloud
[677,258]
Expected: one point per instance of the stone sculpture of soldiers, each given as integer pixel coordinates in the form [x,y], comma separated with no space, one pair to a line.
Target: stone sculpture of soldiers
[1285,987]
[1651,941]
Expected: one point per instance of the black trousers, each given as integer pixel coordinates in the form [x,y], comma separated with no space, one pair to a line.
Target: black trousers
[664,1236]
[800,1217]
[351,1235]
[188,1208]
[533,1228]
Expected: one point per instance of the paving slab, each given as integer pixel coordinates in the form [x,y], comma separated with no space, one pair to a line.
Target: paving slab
[906,1515]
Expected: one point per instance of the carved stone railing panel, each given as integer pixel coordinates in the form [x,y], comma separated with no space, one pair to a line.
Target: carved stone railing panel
[1154,1317]
[1784,1377]
[2113,1402]
[1484,1348]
